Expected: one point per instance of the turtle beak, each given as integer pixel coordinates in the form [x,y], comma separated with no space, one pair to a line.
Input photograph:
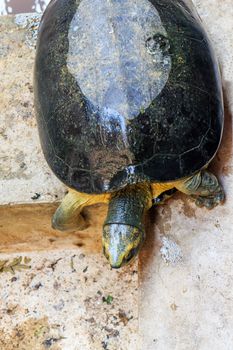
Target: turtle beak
[115,264]
[113,259]
[121,244]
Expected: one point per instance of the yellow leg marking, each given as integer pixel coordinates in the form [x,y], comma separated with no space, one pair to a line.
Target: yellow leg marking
[68,214]
[160,187]
[89,199]
[195,182]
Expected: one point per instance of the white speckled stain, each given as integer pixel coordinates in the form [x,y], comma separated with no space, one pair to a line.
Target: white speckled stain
[115,69]
[170,251]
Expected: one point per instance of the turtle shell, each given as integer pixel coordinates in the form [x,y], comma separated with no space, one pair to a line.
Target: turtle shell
[125,91]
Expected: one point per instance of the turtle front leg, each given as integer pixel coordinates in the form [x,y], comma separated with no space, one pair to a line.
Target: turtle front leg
[68,216]
[204,188]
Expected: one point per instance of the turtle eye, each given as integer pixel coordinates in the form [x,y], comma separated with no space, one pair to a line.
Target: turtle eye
[130,254]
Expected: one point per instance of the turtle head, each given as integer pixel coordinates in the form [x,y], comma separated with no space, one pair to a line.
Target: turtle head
[123,232]
[121,243]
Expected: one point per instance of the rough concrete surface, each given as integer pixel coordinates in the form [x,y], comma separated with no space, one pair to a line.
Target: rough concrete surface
[23,170]
[68,298]
[186,277]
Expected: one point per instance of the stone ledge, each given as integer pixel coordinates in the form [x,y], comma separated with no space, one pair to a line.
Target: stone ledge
[28,228]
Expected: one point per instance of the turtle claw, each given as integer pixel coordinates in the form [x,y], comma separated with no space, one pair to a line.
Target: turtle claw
[209,201]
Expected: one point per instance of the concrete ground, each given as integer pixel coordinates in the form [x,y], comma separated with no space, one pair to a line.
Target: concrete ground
[56,290]
[185,270]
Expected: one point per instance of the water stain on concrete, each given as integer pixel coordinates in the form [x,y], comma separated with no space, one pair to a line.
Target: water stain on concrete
[188,209]
[164,219]
[227,170]
[221,164]
[153,225]
[35,334]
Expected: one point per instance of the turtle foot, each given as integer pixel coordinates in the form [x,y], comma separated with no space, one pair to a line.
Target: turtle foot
[61,223]
[210,201]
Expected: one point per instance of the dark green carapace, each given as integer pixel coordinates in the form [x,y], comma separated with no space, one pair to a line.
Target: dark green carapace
[129,108]
[126,91]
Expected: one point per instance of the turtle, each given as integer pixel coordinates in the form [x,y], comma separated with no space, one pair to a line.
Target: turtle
[129,107]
